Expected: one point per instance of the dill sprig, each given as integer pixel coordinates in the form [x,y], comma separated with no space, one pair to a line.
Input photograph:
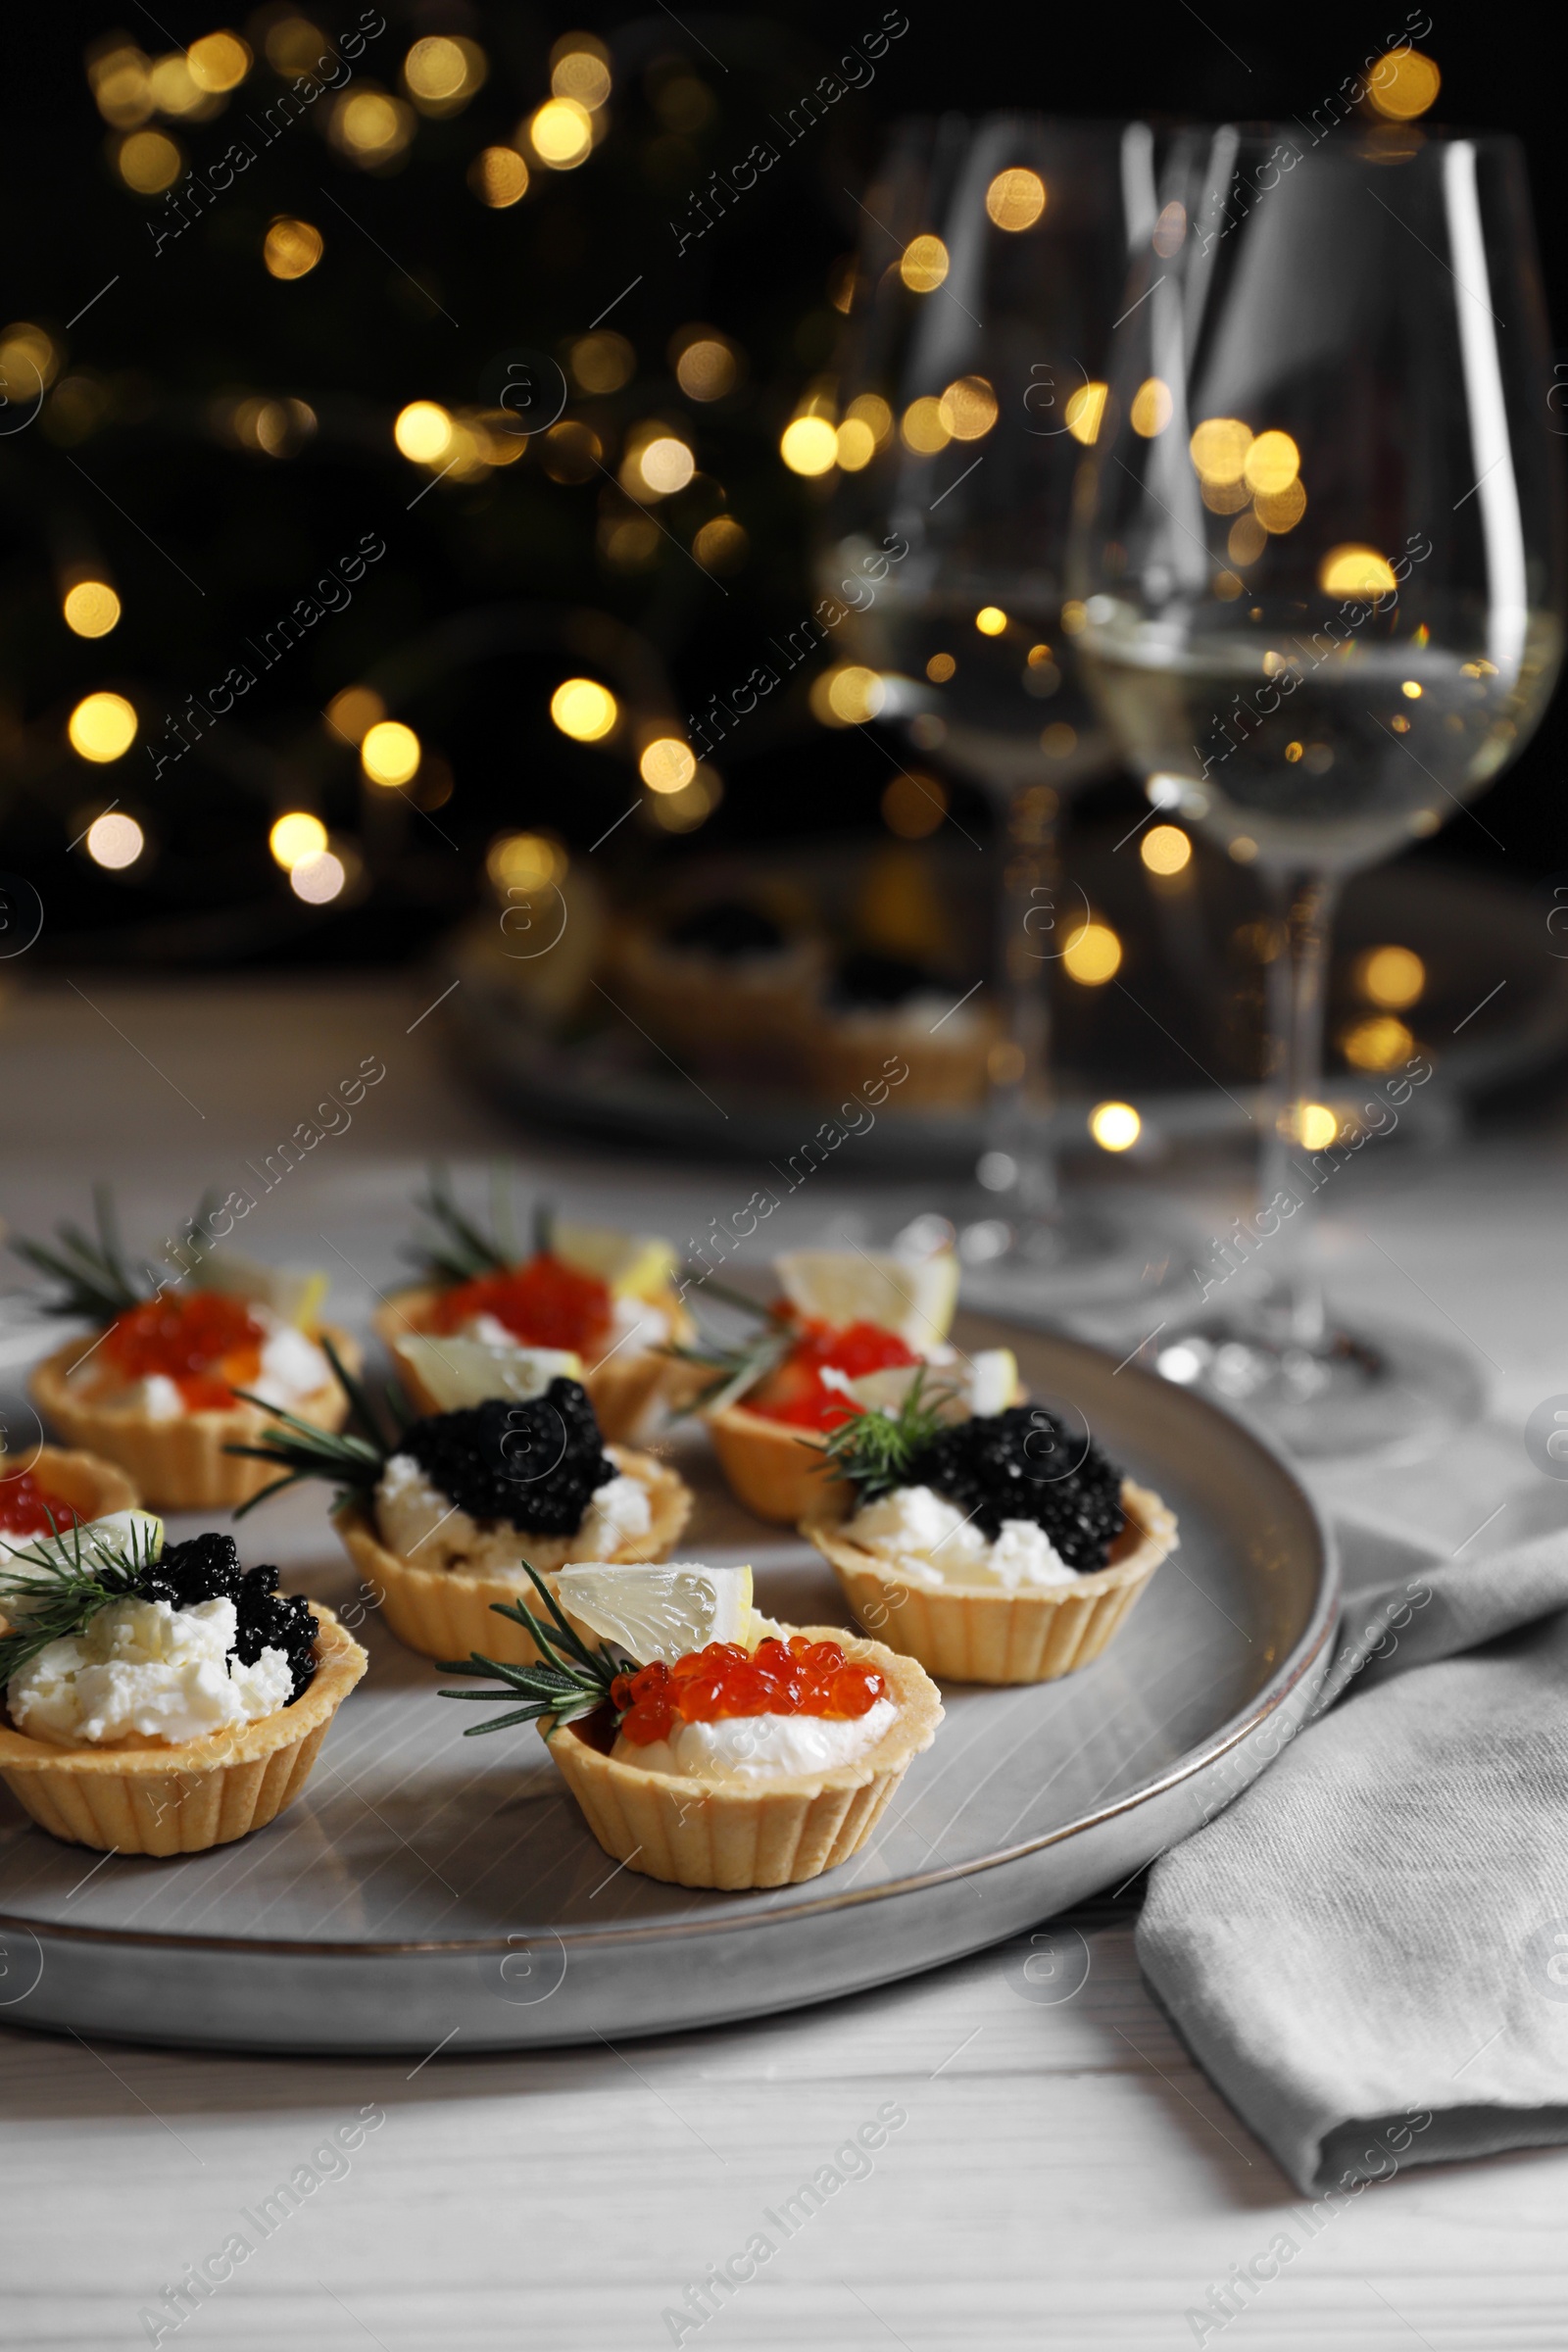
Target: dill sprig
[879,1450]
[97,1279]
[354,1456]
[738,1368]
[568,1680]
[58,1585]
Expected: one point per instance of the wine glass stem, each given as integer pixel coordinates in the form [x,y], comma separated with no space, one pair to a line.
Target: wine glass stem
[1018,1101]
[1302,907]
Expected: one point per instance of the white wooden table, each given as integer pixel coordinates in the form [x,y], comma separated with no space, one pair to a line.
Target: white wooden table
[1063,2176]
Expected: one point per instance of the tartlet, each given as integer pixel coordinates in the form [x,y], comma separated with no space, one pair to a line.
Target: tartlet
[1081,1542]
[567,1294]
[136,1792]
[196,1335]
[726,1830]
[724,985]
[92,1487]
[877,1006]
[459,1482]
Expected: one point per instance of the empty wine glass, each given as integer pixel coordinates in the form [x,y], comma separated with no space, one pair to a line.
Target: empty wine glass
[990,269]
[1318,562]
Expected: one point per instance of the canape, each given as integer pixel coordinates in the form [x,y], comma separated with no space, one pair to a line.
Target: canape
[155,1387]
[724,984]
[441,1514]
[731,1766]
[54,1488]
[995,1549]
[159,1700]
[607,1299]
[874,1005]
[848,1323]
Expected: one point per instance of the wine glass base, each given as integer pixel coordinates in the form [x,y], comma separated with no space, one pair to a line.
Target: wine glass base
[1087,1253]
[1381,1390]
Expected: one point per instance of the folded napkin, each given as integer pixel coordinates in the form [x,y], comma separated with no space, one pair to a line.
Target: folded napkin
[1368,1950]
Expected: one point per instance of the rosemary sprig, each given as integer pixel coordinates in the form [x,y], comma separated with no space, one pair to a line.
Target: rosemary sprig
[877,1451]
[568,1680]
[739,1369]
[460,1250]
[97,1279]
[354,1456]
[58,1585]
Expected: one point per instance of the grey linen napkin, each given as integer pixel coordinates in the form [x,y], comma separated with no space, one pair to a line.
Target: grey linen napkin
[1367,1951]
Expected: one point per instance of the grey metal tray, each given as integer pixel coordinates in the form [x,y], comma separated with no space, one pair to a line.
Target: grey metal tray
[431,1890]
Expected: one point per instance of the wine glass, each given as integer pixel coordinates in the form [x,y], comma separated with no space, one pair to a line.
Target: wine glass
[989,272]
[1317,565]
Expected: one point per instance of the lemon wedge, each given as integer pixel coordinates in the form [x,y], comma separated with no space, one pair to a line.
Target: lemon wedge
[294,1296]
[456,1372]
[101,1539]
[661,1612]
[987,1384]
[915,1296]
[635,1265]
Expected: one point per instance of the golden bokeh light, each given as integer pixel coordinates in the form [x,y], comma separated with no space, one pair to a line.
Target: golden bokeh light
[149,161]
[808,445]
[1115,1126]
[91,609]
[175,90]
[218,62]
[121,89]
[1015,199]
[499,176]
[991,620]
[1225,498]
[1403,85]
[102,727]
[856,444]
[423,432]
[295,836]
[968,408]
[1058,742]
[854,694]
[1315,1126]
[914,806]
[1218,449]
[292,248]
[390,753]
[923,428]
[370,126]
[1093,955]
[581,70]
[667,764]
[293,44]
[1353,571]
[1279,510]
[940,668]
[442,72]
[561,134]
[684,811]
[524,862]
[665,465]
[871,409]
[319,879]
[602,362]
[1085,409]
[115,840]
[570,451]
[1381,1042]
[1271,464]
[28,357]
[1151,409]
[1246,540]
[353,711]
[584,710]
[924,265]
[1391,977]
[721,545]
[1165,849]
[706,368]
[1169,229]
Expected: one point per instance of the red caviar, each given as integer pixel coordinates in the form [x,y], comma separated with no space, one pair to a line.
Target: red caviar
[26,1508]
[206,1342]
[793,1678]
[545,1303]
[796,1392]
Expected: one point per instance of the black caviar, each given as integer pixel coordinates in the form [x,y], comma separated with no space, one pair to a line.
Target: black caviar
[536,1465]
[1027,1464]
[207,1568]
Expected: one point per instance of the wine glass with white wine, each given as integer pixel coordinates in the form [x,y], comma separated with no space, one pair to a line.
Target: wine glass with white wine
[1318,550]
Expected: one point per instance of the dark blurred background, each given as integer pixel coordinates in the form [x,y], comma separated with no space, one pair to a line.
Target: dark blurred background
[203,396]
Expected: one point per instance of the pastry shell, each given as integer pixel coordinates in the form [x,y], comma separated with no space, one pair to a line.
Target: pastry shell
[775,1468]
[622,1389]
[93,1487]
[738,1833]
[449,1612]
[180,1466]
[978,1634]
[152,1796]
[942,1073]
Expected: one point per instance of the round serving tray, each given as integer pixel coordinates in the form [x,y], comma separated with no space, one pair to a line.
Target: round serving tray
[431,1891]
